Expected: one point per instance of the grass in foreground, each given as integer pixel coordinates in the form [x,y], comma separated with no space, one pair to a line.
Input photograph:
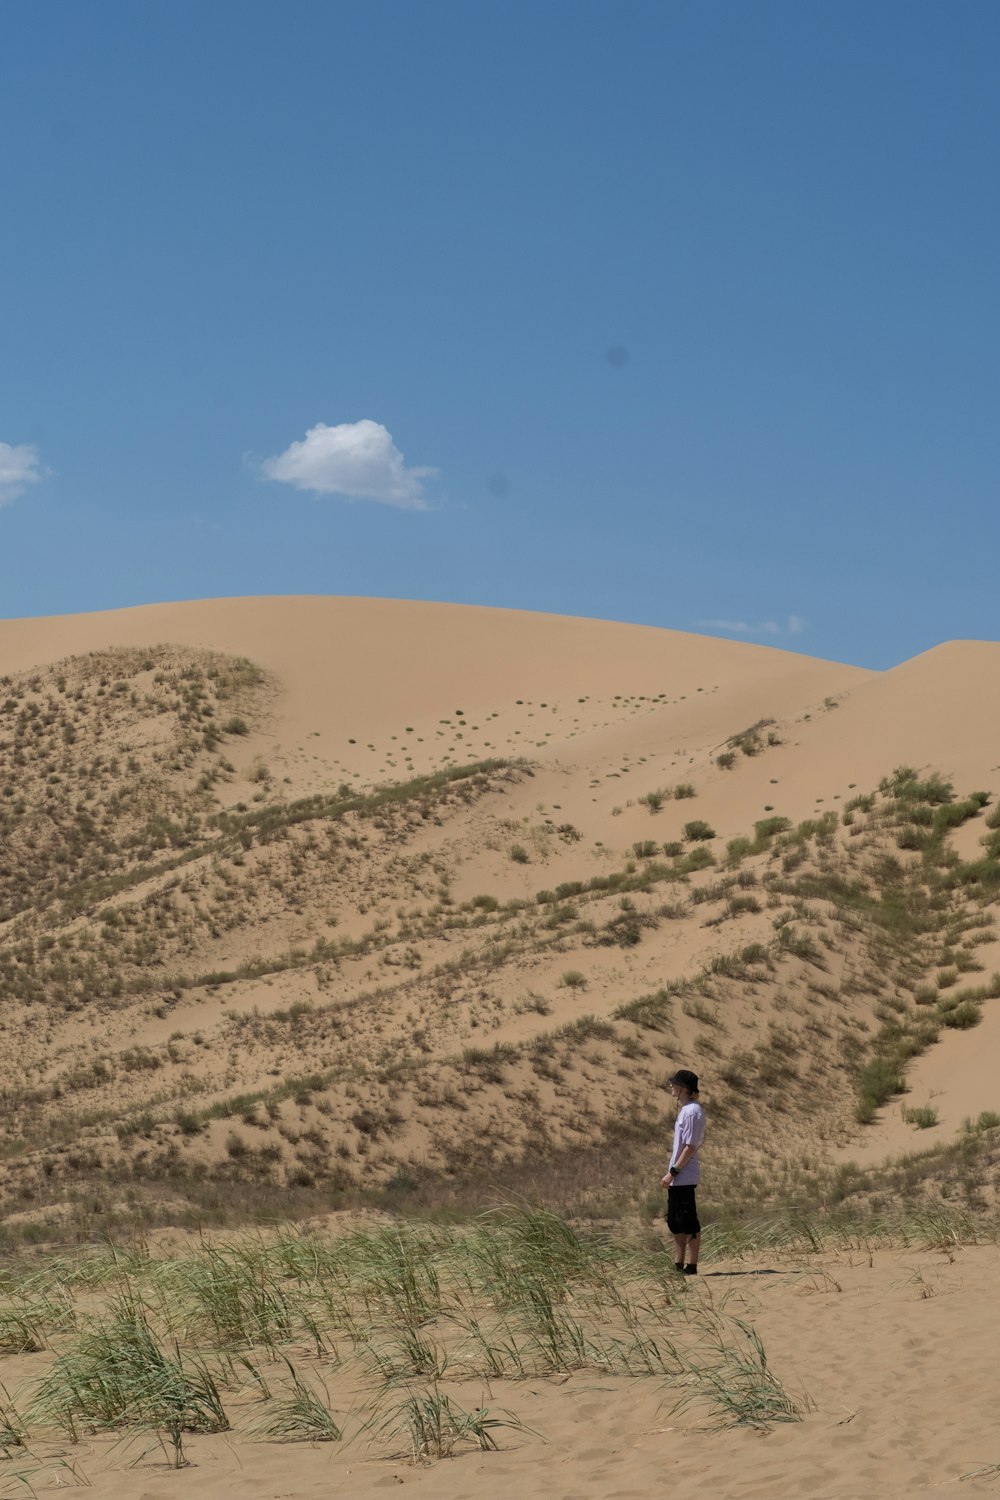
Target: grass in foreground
[156,1347]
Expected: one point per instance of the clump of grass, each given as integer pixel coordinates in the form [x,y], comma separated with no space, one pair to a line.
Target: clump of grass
[922,1116]
[649,1011]
[961,1016]
[698,831]
[574,980]
[699,858]
[519,854]
[738,1384]
[880,1079]
[300,1416]
[436,1426]
[119,1375]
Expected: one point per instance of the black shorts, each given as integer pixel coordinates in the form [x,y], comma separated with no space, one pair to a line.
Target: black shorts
[682,1211]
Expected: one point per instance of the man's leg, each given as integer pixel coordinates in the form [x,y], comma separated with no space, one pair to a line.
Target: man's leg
[680,1245]
[694,1238]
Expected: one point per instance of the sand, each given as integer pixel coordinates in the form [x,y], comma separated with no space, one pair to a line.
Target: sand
[891,1357]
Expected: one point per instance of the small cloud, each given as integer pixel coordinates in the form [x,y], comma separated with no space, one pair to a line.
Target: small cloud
[796,624]
[358,460]
[19,467]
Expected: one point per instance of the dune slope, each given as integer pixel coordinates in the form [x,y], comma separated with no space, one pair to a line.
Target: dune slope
[313,896]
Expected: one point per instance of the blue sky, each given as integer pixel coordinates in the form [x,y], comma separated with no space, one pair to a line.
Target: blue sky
[692,309]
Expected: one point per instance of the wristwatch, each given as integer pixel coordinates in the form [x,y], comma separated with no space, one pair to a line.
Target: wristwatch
[673,1171]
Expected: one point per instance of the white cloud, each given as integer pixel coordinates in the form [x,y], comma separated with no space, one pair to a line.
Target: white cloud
[356,459]
[795,626]
[19,467]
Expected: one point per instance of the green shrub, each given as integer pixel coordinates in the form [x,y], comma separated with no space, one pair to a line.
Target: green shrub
[922,1117]
[753,953]
[697,831]
[880,1078]
[726,760]
[738,849]
[700,858]
[767,828]
[649,1011]
[519,854]
[962,1017]
[911,838]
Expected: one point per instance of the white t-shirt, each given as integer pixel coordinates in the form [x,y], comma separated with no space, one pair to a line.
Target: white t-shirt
[689,1130]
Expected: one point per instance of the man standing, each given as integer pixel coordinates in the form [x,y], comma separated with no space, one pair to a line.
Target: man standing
[684,1172]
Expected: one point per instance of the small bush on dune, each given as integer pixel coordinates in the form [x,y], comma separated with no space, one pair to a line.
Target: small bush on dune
[923,1117]
[697,831]
[700,858]
[738,849]
[963,1016]
[767,828]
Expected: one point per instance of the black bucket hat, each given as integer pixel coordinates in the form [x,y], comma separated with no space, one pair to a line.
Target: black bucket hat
[686,1079]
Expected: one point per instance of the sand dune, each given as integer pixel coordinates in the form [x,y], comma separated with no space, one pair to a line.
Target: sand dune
[217,999]
[362,670]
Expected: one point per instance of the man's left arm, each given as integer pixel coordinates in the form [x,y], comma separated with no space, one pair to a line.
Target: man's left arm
[684,1155]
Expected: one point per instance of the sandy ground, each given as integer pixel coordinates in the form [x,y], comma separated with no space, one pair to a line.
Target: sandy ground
[891,1356]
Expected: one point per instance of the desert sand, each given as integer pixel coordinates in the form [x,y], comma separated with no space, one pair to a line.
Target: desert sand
[238,979]
[862,1339]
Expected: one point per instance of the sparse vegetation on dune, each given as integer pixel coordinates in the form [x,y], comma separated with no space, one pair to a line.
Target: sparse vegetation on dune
[224,997]
[366,1028]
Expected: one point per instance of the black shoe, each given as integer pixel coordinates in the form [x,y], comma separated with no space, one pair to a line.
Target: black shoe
[679,1267]
[689,1270]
